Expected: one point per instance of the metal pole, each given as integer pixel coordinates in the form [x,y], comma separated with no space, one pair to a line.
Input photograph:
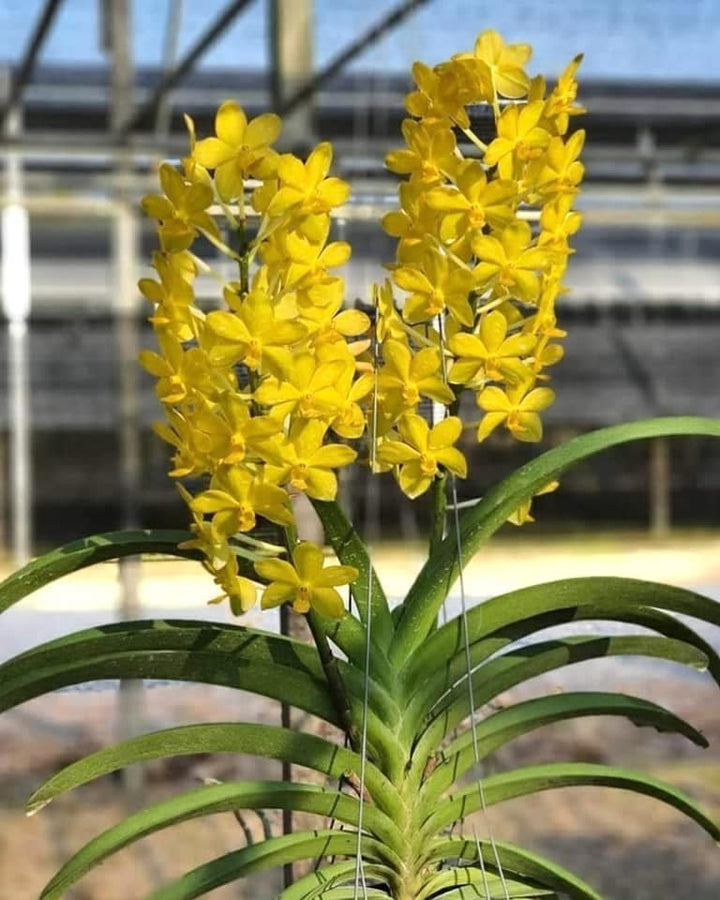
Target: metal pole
[124,247]
[660,488]
[163,117]
[386,23]
[291,63]
[25,69]
[16,305]
[206,40]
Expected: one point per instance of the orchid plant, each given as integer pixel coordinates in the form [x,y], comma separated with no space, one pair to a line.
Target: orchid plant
[280,385]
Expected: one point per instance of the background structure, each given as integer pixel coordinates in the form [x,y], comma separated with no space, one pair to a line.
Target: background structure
[92,98]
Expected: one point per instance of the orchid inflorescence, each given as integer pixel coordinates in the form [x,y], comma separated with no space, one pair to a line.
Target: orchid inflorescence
[265,396]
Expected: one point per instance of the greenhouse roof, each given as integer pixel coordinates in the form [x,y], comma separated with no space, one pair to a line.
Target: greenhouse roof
[667,40]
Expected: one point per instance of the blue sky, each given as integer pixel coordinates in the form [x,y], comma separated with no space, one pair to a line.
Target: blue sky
[674,40]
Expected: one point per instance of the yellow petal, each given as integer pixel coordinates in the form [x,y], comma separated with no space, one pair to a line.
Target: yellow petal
[308,559]
[321,484]
[212,152]
[445,433]
[230,124]
[276,594]
[229,180]
[332,576]
[278,570]
[263,130]
[489,423]
[327,602]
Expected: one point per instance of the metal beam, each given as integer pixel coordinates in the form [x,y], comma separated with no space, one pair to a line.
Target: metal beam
[379,29]
[186,64]
[24,70]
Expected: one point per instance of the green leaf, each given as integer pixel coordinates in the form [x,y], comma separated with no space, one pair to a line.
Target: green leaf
[478,523]
[269,741]
[436,681]
[226,655]
[331,876]
[515,861]
[350,893]
[521,718]
[532,779]
[87,552]
[266,855]
[483,885]
[475,890]
[222,798]
[568,600]
[351,551]
[517,666]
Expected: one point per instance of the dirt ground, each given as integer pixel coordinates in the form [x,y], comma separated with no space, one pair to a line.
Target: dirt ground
[628,847]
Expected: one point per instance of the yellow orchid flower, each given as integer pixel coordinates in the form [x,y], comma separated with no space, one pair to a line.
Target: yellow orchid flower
[490,355]
[306,390]
[508,263]
[413,222]
[429,155]
[505,62]
[307,584]
[179,371]
[520,137]
[240,435]
[438,285]
[559,171]
[240,150]
[252,335]
[421,451]
[522,515]
[304,188]
[235,497]
[182,211]
[406,377]
[474,203]
[191,454]
[309,261]
[240,591]
[560,105]
[518,407]
[305,463]
[445,91]
[173,298]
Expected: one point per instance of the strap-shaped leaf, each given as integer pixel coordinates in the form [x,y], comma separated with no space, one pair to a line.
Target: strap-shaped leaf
[266,855]
[483,885]
[515,861]
[475,890]
[335,876]
[100,653]
[351,551]
[437,680]
[87,552]
[532,779]
[517,666]
[269,741]
[426,596]
[521,718]
[222,798]
[566,599]
[350,893]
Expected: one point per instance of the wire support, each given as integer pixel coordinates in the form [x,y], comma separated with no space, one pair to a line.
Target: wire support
[468,665]
[359,867]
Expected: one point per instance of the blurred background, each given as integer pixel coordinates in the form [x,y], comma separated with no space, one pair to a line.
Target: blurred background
[92,94]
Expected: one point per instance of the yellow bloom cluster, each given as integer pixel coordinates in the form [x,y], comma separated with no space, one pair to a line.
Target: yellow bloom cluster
[261,394]
[482,246]
[264,391]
